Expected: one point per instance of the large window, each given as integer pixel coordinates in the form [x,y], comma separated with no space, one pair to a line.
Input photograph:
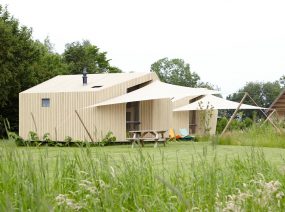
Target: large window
[45,102]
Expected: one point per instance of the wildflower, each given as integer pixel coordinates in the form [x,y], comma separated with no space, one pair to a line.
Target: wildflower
[60,199]
[280,195]
[86,182]
[83,173]
[113,172]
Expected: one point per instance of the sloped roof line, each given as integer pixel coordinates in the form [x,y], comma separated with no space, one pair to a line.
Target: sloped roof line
[73,83]
[277,98]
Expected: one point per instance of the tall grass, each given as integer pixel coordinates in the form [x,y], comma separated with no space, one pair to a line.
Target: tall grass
[262,136]
[84,180]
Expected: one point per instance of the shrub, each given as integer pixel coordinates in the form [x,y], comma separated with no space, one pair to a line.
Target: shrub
[67,141]
[221,124]
[17,139]
[108,139]
[33,139]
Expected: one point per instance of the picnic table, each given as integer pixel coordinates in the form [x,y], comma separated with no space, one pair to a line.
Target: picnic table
[139,136]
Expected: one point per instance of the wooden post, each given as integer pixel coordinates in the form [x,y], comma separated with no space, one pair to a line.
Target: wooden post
[266,116]
[55,133]
[33,118]
[234,114]
[84,126]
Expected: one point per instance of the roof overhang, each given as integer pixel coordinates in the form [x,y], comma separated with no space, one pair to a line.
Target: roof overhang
[157,90]
[212,102]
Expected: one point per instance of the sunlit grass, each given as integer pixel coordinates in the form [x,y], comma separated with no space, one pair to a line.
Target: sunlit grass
[178,177]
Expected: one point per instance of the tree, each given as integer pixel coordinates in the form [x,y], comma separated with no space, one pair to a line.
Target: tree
[175,71]
[23,63]
[79,55]
[282,81]
[49,64]
[17,54]
[263,93]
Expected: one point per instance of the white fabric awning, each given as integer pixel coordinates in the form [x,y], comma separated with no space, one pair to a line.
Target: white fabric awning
[157,90]
[214,102]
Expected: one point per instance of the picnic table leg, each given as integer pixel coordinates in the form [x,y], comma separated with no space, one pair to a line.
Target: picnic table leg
[156,143]
[133,141]
[164,139]
[156,139]
[142,142]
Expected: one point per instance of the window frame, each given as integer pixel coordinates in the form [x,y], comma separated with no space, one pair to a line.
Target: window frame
[45,102]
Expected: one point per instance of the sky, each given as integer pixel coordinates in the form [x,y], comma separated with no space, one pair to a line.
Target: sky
[227,43]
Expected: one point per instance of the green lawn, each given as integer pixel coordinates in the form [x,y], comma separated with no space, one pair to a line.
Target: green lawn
[181,176]
[182,151]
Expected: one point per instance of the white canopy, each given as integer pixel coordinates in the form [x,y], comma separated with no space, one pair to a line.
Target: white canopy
[157,90]
[210,101]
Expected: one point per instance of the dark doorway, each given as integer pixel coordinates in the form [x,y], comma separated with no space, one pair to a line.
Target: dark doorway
[133,116]
[133,110]
[193,117]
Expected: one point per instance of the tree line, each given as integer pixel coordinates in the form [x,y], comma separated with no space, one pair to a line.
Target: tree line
[25,62]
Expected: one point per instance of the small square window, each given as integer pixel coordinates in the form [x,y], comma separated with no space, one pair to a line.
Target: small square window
[45,102]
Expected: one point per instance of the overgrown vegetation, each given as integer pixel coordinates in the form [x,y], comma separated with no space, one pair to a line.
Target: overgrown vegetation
[236,124]
[84,180]
[256,135]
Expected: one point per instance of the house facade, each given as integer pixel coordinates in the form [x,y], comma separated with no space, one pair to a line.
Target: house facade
[61,107]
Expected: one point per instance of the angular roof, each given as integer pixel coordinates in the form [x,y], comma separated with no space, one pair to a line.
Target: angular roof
[73,83]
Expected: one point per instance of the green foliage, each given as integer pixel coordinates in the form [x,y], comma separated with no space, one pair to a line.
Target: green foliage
[23,64]
[33,136]
[67,141]
[282,81]
[221,124]
[263,93]
[17,55]
[19,141]
[205,117]
[175,71]
[108,139]
[79,55]
[236,124]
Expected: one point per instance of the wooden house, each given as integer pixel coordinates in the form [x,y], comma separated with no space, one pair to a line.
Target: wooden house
[77,106]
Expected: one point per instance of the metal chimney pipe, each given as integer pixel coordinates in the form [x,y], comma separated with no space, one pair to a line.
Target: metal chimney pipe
[84,77]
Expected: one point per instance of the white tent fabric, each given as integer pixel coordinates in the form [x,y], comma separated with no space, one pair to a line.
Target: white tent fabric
[157,90]
[210,101]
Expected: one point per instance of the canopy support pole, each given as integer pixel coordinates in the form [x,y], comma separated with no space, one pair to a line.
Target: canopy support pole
[84,126]
[267,117]
[34,121]
[234,114]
